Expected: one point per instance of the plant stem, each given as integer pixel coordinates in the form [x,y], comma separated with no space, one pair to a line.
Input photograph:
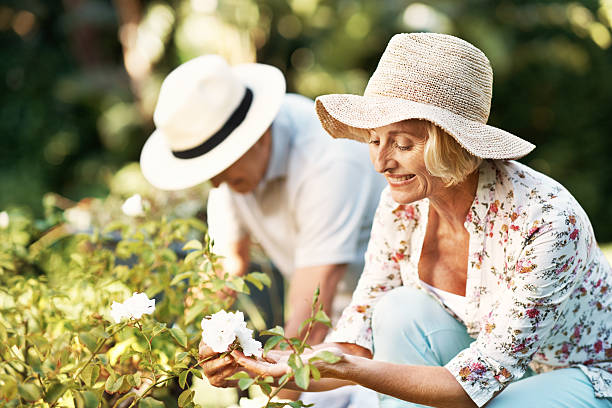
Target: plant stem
[93,354]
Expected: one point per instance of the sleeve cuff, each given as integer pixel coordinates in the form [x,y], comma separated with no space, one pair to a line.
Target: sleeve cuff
[475,376]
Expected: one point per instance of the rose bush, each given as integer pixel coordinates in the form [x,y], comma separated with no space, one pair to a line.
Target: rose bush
[103,314]
[62,343]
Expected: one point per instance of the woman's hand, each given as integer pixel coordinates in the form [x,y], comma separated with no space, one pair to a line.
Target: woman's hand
[218,368]
[275,363]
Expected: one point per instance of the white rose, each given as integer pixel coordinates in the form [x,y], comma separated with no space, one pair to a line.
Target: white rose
[221,329]
[78,218]
[133,206]
[250,346]
[4,220]
[133,308]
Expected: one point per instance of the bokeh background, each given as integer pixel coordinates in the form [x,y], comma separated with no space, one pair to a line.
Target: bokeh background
[79,78]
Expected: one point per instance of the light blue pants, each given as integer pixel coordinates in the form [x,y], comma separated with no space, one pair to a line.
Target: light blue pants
[409,327]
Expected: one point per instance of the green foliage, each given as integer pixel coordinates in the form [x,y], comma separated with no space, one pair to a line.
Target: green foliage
[58,342]
[300,371]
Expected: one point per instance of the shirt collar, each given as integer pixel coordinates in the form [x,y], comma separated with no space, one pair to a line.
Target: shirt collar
[485,193]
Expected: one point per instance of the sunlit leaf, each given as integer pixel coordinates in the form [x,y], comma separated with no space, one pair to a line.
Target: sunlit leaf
[326,356]
[183,378]
[185,397]
[245,383]
[89,341]
[194,311]
[238,376]
[272,342]
[275,331]
[193,245]
[302,377]
[179,335]
[322,317]
[150,402]
[29,392]
[180,277]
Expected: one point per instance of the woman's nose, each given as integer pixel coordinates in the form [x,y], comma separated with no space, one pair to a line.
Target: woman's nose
[381,160]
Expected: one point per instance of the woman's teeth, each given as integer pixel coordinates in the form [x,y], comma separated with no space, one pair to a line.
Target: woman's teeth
[401,178]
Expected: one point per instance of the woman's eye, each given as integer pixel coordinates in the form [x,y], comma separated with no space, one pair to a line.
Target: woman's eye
[374,142]
[404,148]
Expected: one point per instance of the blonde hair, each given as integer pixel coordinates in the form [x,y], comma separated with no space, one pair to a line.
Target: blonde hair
[446,158]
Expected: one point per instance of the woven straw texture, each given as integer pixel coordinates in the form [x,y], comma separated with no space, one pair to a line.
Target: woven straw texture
[436,77]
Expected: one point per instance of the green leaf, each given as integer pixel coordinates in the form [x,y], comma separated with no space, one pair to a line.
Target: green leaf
[265,388]
[322,317]
[237,284]
[192,256]
[193,244]
[29,392]
[272,342]
[180,356]
[195,372]
[113,384]
[183,378]
[276,331]
[150,402]
[194,311]
[180,277]
[299,404]
[245,383]
[159,328]
[90,374]
[238,376]
[254,281]
[293,362]
[90,399]
[314,371]
[302,377]
[89,341]
[185,398]
[78,259]
[179,335]
[326,356]
[304,323]
[261,277]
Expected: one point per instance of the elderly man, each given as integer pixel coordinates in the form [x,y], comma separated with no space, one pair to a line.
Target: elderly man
[279,180]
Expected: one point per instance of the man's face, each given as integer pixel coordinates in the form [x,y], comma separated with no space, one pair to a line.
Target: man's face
[246,173]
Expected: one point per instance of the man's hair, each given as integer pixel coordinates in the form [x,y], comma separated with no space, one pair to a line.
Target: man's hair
[446,158]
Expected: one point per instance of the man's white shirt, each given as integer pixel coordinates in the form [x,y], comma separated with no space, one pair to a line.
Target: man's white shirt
[315,204]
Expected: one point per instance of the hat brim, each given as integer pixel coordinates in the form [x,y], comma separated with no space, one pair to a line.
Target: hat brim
[346,116]
[167,172]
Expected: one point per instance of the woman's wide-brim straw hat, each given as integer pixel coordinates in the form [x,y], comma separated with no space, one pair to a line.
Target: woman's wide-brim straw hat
[208,115]
[435,77]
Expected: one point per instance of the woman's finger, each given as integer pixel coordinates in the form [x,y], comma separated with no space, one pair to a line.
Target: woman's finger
[211,367]
[205,351]
[260,367]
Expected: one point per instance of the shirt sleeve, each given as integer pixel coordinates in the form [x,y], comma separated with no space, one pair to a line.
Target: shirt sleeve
[381,274]
[543,278]
[224,226]
[332,209]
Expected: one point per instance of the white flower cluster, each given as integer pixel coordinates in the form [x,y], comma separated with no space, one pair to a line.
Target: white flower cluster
[133,206]
[4,220]
[133,308]
[221,329]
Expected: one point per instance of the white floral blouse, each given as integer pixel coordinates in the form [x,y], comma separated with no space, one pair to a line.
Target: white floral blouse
[538,287]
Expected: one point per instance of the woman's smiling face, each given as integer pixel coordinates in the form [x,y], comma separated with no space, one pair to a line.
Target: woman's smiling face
[397,151]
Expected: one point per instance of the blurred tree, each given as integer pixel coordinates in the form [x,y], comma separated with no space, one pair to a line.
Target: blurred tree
[81,76]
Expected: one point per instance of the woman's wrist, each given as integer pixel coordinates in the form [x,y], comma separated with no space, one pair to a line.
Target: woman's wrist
[345,368]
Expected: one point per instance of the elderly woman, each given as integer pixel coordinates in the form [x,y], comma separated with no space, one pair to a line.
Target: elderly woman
[483,282]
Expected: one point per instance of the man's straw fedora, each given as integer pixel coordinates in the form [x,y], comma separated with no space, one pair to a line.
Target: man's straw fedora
[208,115]
[435,77]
